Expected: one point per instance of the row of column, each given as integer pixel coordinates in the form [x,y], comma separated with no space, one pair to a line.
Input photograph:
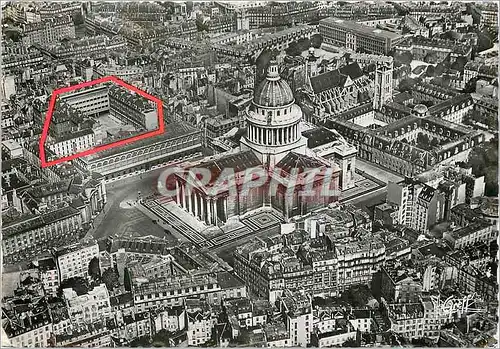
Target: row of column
[276,136]
[205,209]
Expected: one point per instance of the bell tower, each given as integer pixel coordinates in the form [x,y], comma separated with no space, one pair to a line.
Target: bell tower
[383,82]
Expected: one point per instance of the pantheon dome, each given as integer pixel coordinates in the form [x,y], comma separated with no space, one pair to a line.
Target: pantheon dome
[273,119]
[273,92]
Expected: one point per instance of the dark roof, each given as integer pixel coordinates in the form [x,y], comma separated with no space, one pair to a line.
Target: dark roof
[123,298]
[326,81]
[433,249]
[293,160]
[228,280]
[47,264]
[7,165]
[353,70]
[335,78]
[427,193]
[34,222]
[319,136]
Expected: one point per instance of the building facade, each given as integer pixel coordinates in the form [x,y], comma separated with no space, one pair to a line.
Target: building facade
[49,31]
[355,36]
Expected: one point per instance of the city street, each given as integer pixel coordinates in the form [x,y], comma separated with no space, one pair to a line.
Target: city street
[128,221]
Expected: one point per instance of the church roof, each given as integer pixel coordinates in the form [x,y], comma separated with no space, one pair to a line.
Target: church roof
[335,78]
[239,162]
[299,161]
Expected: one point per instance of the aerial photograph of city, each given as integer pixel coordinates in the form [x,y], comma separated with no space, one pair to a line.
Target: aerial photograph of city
[249,174]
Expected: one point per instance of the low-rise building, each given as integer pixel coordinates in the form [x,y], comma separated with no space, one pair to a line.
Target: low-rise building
[340,333]
[481,231]
[72,143]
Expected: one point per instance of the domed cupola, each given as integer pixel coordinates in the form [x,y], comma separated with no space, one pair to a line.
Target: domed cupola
[420,111]
[273,92]
[273,120]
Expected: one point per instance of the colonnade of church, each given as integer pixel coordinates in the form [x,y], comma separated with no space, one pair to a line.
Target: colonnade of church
[273,136]
[207,209]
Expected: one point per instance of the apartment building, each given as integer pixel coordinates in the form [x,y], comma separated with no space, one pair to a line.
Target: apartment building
[73,261]
[49,31]
[37,231]
[172,291]
[357,261]
[407,319]
[296,310]
[488,13]
[27,329]
[96,47]
[421,47]
[172,319]
[280,14]
[49,275]
[133,109]
[419,205]
[268,268]
[126,73]
[57,9]
[355,36]
[201,319]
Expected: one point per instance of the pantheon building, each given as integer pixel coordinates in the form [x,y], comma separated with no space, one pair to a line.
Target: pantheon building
[274,145]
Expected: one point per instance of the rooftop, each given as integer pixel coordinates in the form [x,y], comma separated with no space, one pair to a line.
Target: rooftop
[335,78]
[172,131]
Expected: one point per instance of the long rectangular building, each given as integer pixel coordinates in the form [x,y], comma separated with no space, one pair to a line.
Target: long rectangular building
[178,142]
[39,230]
[355,36]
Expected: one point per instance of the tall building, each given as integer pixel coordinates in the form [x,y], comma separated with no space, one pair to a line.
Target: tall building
[7,87]
[73,261]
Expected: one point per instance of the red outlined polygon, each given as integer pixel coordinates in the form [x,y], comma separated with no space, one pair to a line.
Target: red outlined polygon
[48,118]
